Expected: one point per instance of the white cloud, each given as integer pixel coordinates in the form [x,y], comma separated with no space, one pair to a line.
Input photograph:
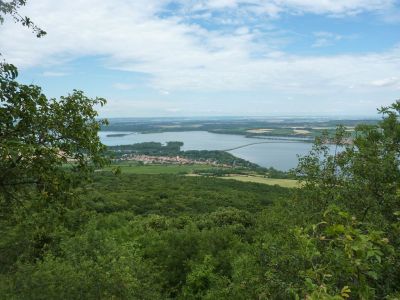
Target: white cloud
[54,74]
[386,82]
[276,7]
[176,55]
[339,7]
[325,39]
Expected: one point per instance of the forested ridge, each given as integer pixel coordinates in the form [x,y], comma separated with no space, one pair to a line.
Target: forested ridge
[69,229]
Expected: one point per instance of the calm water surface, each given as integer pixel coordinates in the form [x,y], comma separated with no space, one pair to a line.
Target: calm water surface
[279,154]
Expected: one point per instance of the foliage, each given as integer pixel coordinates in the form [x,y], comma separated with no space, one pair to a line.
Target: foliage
[175,237]
[361,179]
[174,195]
[48,148]
[362,176]
[136,236]
[38,136]
[11,8]
[345,256]
[169,236]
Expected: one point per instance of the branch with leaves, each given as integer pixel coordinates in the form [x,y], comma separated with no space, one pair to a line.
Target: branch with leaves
[11,8]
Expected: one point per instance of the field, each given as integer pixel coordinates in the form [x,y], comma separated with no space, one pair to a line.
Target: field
[158,169]
[268,127]
[259,130]
[301,131]
[189,170]
[288,183]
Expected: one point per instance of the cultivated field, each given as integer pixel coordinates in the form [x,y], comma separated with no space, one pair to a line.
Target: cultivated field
[288,183]
[158,169]
[189,170]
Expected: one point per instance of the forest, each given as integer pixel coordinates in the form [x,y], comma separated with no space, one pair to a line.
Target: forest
[122,236]
[73,228]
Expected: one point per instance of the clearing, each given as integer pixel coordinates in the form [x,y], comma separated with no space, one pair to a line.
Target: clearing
[301,131]
[288,183]
[259,130]
[158,169]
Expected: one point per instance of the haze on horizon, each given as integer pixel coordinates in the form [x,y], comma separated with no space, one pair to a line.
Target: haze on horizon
[164,58]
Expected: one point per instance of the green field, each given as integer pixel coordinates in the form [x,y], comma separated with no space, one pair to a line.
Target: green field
[288,183]
[190,169]
[158,169]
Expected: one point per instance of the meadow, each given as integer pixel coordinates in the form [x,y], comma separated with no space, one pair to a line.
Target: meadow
[133,168]
[201,170]
[287,183]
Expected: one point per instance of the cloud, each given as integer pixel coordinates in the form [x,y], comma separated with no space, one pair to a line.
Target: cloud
[325,39]
[54,74]
[337,7]
[178,55]
[386,82]
[276,7]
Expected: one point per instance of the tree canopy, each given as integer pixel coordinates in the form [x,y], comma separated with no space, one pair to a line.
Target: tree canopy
[175,237]
[38,136]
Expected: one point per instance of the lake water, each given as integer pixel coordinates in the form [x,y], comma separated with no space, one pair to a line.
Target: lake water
[280,154]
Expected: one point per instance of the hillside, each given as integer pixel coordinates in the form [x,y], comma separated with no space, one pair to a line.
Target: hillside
[142,236]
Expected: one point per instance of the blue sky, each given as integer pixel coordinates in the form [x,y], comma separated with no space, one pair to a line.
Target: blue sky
[214,57]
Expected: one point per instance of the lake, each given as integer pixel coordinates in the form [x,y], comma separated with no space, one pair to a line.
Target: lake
[280,154]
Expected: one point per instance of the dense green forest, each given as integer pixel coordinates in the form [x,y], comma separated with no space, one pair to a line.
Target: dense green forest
[71,230]
[133,237]
[124,236]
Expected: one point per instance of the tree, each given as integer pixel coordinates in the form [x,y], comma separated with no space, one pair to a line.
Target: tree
[48,147]
[361,174]
[345,257]
[11,8]
[350,191]
[39,135]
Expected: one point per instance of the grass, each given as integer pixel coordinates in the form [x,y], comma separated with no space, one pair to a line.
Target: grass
[158,169]
[288,183]
[189,169]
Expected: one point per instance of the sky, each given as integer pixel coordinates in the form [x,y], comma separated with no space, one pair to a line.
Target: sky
[172,58]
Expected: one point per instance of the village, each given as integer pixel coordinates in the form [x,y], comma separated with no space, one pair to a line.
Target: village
[176,160]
